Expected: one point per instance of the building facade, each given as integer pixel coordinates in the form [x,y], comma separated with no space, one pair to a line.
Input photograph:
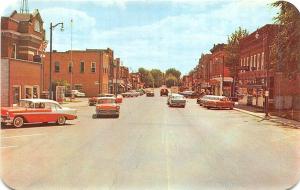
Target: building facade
[220,79]
[22,39]
[255,66]
[83,70]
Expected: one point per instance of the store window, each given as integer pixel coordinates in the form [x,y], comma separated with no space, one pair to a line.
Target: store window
[36,92]
[28,92]
[78,87]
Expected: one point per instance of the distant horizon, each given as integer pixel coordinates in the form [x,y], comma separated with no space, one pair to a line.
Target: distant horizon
[154,35]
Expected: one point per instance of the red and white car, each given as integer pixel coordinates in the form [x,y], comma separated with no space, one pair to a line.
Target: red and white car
[107,106]
[36,111]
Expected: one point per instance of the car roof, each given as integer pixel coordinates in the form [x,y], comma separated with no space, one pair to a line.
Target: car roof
[174,94]
[105,98]
[37,100]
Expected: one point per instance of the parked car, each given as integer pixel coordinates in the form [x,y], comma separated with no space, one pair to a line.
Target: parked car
[176,100]
[107,106]
[164,92]
[150,92]
[77,93]
[202,99]
[140,91]
[36,111]
[119,99]
[219,102]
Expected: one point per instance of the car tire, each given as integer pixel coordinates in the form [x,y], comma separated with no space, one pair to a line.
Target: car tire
[231,108]
[208,107]
[117,116]
[61,120]
[18,122]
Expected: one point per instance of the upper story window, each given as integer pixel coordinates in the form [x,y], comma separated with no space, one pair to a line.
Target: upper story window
[93,67]
[70,67]
[262,65]
[37,26]
[258,61]
[254,62]
[56,67]
[14,51]
[81,66]
[247,64]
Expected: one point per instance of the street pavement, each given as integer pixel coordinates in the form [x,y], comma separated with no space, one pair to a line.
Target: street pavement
[152,146]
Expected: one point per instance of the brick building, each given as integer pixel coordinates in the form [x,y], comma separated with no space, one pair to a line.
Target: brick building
[88,71]
[220,79]
[205,72]
[257,68]
[22,35]
[254,61]
[124,77]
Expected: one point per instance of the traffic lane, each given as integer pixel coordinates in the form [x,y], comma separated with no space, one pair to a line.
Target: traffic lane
[144,116]
[110,156]
[222,152]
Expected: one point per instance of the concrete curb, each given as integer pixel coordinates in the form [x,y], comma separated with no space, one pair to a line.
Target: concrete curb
[271,119]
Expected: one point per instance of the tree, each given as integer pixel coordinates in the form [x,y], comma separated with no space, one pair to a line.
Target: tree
[158,77]
[233,47]
[143,72]
[149,80]
[174,72]
[286,44]
[171,80]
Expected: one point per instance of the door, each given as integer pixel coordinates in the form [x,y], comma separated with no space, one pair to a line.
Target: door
[16,94]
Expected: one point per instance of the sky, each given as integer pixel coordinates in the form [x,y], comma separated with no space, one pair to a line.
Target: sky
[149,33]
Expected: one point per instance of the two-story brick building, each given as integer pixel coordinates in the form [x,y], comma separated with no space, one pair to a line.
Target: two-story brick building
[84,70]
[255,62]
[22,35]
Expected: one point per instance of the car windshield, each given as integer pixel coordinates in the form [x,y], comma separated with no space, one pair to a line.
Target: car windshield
[177,97]
[106,101]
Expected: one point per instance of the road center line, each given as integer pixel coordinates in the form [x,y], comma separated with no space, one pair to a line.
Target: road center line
[2,147]
[19,136]
[167,159]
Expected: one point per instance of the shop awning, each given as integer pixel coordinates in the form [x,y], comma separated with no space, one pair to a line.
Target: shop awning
[122,85]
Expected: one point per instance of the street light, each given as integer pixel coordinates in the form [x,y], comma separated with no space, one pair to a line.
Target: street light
[51,28]
[266,105]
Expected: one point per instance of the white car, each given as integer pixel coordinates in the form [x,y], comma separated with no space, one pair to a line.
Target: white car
[77,93]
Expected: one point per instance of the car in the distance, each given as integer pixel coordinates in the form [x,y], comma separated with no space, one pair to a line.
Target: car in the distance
[36,111]
[150,92]
[107,106]
[176,100]
[164,92]
[77,93]
[189,94]
[218,102]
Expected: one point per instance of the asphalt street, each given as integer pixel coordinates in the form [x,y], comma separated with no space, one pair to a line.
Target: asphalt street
[152,146]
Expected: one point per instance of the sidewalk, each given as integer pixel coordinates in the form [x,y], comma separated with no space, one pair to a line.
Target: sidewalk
[77,102]
[258,112]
